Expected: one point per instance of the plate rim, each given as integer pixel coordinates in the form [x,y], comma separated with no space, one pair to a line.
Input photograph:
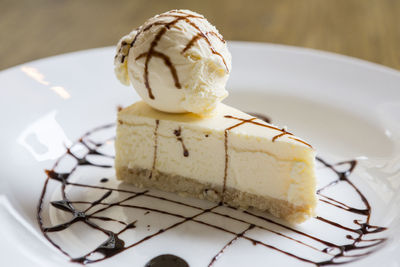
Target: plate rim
[282,47]
[326,55]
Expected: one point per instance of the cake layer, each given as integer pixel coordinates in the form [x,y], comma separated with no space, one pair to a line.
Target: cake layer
[229,150]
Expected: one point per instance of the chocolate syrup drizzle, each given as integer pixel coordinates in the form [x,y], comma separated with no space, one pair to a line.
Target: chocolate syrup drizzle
[260,116]
[282,131]
[155,148]
[226,152]
[177,133]
[176,16]
[338,253]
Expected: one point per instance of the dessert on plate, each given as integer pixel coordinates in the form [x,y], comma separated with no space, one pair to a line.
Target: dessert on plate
[182,139]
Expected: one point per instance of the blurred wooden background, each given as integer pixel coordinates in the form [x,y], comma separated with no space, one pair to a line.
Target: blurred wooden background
[367,29]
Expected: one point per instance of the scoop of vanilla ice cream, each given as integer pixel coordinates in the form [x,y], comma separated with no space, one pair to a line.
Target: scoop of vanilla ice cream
[177,62]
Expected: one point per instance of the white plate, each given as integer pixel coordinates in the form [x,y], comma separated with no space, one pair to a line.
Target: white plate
[347,108]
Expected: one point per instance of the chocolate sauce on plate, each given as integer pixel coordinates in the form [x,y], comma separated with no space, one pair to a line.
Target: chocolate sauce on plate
[104,180]
[358,244]
[167,260]
[260,116]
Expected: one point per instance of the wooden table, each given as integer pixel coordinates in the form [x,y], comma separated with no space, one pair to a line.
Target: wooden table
[367,29]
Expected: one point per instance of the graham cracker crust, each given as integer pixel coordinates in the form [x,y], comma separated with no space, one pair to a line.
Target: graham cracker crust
[190,188]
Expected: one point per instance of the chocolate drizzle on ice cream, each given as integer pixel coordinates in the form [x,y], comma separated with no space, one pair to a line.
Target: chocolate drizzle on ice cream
[167,21]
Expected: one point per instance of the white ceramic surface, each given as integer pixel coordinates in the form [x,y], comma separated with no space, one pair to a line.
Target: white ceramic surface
[345,107]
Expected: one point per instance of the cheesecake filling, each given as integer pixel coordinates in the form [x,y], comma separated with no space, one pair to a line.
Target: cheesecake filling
[224,157]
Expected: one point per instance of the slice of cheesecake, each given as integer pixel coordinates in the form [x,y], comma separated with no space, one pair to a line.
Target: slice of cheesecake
[229,157]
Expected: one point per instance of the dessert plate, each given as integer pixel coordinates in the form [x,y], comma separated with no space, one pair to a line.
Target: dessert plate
[348,108]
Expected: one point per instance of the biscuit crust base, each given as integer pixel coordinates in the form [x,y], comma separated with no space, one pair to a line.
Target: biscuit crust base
[191,188]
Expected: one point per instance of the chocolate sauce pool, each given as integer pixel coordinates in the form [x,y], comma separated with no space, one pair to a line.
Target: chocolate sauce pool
[114,244]
[167,260]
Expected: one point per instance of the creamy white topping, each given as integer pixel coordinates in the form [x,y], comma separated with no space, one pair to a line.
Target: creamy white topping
[177,62]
